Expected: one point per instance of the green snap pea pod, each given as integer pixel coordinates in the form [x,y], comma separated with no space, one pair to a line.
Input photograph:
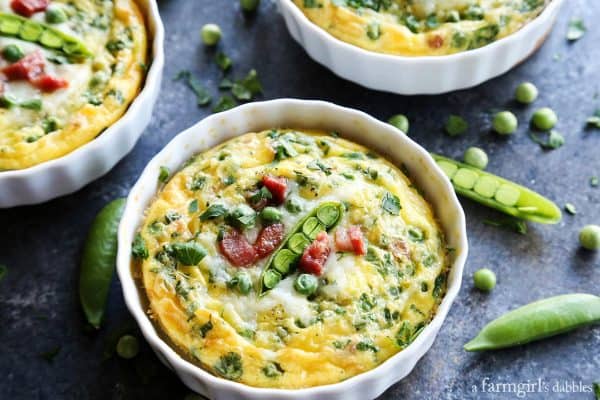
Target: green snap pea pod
[538,320]
[499,193]
[98,261]
[42,34]
[323,218]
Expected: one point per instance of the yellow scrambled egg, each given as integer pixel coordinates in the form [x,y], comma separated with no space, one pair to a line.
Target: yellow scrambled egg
[420,27]
[233,321]
[39,125]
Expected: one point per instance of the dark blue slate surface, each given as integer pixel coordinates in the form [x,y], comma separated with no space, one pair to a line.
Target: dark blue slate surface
[41,245]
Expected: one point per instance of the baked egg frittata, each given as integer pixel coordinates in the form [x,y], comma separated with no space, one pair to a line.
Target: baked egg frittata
[68,70]
[290,259]
[420,27]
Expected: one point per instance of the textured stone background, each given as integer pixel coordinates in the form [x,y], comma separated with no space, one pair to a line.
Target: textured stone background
[41,245]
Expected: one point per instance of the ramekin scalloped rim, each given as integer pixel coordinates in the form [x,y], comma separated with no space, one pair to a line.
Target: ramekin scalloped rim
[351,124]
[417,75]
[69,173]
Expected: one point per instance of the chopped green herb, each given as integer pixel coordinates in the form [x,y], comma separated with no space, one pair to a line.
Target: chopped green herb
[225,103]
[243,216]
[193,206]
[33,104]
[225,84]
[261,194]
[365,345]
[594,181]
[576,29]
[197,182]
[596,386]
[205,328]
[273,370]
[513,224]
[391,203]
[163,175]
[213,211]
[553,141]
[188,253]
[223,61]
[570,208]
[138,248]
[203,98]
[230,366]
[594,120]
[374,30]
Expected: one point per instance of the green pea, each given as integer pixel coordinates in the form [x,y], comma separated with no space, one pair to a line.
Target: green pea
[283,260]
[271,214]
[526,93]
[211,34]
[55,14]
[328,214]
[538,320]
[476,157]
[298,242]
[271,278]
[505,123]
[484,279]
[128,347]
[312,227]
[400,121]
[456,125]
[249,5]
[12,53]
[544,119]
[589,237]
[244,282]
[306,284]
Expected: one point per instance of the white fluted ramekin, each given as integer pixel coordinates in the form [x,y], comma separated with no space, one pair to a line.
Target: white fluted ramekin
[76,169]
[417,75]
[287,113]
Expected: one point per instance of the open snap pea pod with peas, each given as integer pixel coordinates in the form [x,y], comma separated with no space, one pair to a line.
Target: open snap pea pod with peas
[36,32]
[538,320]
[283,260]
[498,193]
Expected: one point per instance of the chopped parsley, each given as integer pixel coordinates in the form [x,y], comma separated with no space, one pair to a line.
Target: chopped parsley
[273,370]
[576,29]
[188,253]
[203,98]
[224,103]
[513,224]
[163,174]
[230,366]
[213,211]
[193,206]
[553,141]
[138,248]
[570,208]
[391,203]
[594,120]
[222,61]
